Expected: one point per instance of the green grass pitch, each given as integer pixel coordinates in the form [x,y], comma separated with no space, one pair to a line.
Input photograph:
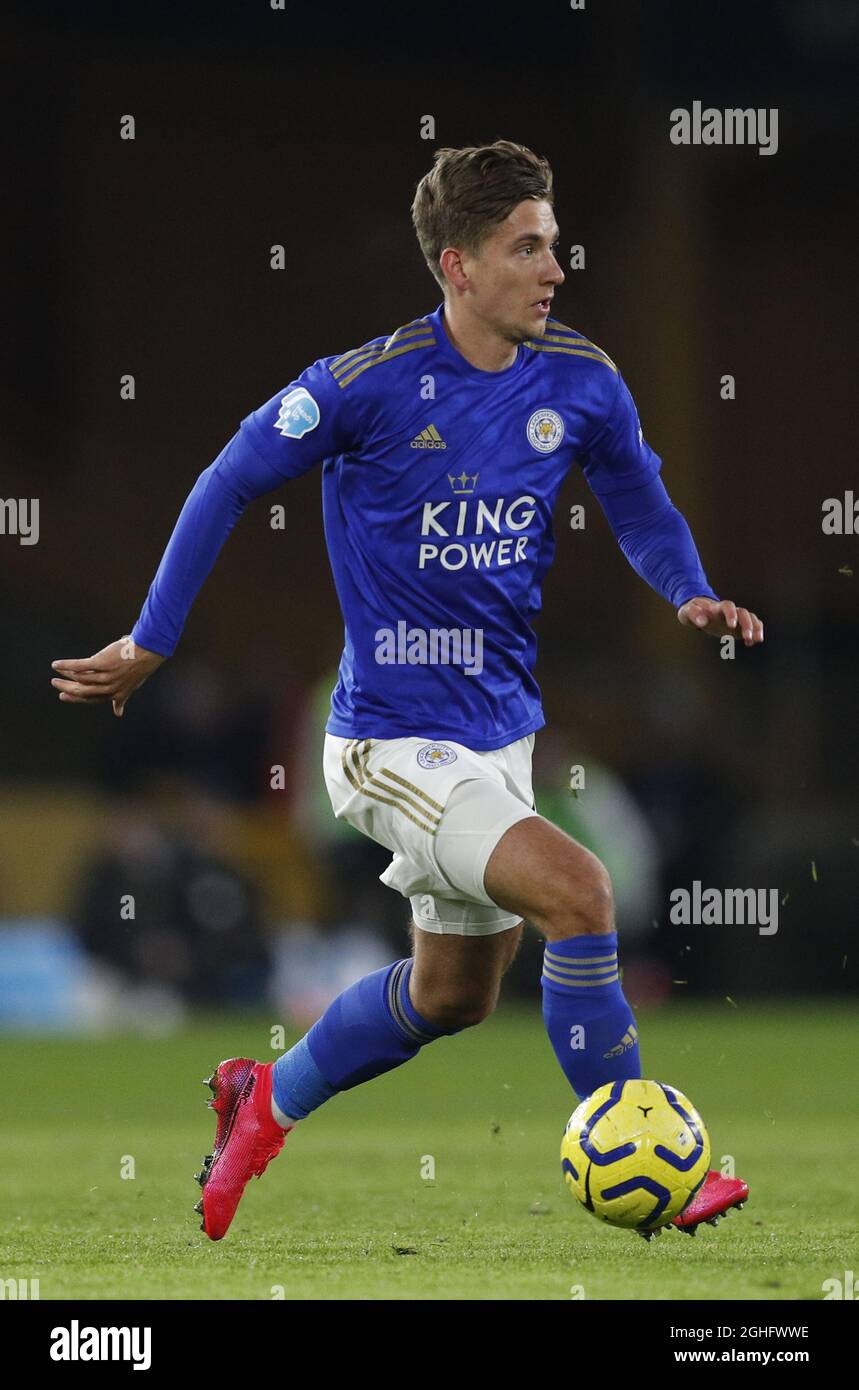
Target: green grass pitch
[345,1213]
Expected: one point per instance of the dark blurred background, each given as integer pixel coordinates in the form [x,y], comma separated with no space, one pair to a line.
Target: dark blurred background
[302,127]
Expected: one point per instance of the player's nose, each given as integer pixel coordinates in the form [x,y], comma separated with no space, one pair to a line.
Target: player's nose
[558,277]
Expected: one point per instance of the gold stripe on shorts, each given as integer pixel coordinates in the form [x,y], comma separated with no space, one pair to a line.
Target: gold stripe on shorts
[418,791]
[359,776]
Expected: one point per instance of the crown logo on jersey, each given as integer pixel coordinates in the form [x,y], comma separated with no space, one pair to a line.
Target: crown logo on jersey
[429,438]
[460,483]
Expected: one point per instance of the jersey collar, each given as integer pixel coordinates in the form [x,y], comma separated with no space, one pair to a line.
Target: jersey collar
[463,366]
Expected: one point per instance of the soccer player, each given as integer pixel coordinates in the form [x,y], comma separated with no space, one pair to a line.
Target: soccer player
[443,447]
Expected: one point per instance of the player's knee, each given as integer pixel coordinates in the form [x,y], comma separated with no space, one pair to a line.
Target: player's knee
[584,900]
[451,1008]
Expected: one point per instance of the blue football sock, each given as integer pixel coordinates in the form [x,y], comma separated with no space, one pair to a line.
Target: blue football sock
[370,1028]
[590,1025]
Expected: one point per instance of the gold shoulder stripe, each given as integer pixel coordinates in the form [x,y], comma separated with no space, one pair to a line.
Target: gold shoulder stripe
[564,339]
[556,324]
[408,330]
[597,348]
[353,352]
[573,352]
[558,332]
[386,356]
[359,355]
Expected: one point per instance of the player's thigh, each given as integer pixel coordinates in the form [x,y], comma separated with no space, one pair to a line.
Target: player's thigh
[461,969]
[539,871]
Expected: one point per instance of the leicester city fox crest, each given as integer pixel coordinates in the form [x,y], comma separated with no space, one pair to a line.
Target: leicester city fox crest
[436,755]
[545,430]
[298,414]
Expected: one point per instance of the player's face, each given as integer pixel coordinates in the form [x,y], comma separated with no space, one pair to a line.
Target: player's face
[516,273]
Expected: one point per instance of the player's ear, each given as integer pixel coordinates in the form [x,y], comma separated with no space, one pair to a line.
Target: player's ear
[450,262]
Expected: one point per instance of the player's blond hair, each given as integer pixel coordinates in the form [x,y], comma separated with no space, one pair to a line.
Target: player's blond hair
[468,192]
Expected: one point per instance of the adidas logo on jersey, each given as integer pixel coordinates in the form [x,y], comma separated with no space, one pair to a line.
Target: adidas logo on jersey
[428,438]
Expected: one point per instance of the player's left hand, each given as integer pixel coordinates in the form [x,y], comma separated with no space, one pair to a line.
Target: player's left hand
[722,618]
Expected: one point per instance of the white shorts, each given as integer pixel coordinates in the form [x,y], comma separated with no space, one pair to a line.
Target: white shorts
[400,792]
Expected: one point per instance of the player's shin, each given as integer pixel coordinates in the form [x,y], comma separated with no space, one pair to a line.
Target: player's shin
[369,1029]
[590,1025]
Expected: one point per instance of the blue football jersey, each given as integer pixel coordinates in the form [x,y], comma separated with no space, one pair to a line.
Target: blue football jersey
[438,484]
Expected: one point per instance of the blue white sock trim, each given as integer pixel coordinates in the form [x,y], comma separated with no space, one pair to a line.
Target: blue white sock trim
[398,983]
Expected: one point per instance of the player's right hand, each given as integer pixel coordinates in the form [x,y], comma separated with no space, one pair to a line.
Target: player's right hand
[112,674]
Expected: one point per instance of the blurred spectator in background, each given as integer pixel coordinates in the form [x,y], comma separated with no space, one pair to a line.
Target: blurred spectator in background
[685,788]
[199,723]
[164,907]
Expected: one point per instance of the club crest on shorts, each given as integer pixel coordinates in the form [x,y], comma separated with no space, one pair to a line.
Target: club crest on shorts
[435,755]
[298,414]
[545,430]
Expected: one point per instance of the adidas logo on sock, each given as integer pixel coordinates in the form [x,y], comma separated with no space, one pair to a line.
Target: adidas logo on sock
[428,438]
[629,1039]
